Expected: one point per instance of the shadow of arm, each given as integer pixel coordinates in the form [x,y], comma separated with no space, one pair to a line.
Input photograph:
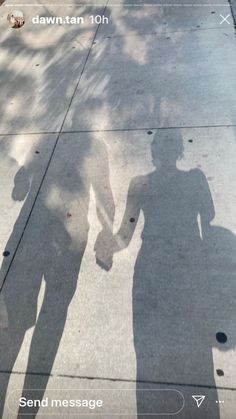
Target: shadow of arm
[206,205]
[131,215]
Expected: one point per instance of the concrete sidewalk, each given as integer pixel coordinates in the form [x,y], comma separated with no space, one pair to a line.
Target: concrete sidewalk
[80,109]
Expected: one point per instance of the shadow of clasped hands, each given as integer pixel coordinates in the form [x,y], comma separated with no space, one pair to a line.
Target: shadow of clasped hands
[104,249]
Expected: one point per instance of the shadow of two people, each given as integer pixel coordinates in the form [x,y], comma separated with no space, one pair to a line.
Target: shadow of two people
[178,280]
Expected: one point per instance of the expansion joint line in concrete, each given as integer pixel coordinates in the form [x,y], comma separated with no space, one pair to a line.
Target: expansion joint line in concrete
[120,380]
[118,130]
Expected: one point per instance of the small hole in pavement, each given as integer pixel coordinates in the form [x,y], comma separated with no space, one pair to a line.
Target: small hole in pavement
[149,132]
[36,152]
[132,220]
[221,337]
[190,141]
[220,373]
[6,253]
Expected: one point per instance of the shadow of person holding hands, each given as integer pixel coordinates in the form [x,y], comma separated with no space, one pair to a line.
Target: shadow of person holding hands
[52,250]
[173,338]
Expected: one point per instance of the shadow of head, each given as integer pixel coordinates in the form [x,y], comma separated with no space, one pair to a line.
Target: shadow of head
[167,147]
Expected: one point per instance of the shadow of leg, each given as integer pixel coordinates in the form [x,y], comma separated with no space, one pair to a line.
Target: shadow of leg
[60,288]
[10,343]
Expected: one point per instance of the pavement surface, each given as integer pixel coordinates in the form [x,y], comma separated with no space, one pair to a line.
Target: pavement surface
[127,125]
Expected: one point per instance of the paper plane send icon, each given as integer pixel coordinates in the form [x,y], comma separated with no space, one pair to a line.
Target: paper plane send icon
[199,399]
